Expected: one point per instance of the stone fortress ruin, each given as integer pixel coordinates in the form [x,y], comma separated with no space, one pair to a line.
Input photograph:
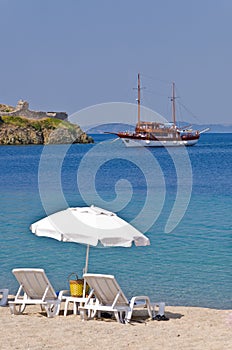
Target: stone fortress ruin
[22,110]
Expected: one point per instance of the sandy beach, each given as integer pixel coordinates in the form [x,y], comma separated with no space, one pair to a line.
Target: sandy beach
[187,328]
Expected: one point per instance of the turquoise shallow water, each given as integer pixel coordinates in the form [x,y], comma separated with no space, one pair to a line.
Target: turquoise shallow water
[189,266]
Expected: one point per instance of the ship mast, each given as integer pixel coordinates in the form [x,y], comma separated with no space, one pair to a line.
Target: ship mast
[173,104]
[138,100]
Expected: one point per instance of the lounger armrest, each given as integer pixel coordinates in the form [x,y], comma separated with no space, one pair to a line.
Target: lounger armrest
[62,293]
[141,297]
[52,302]
[146,302]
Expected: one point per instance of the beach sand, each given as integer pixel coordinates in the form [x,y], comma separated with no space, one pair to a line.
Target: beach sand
[188,328]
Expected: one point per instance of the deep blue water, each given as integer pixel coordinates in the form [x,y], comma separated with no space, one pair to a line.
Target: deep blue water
[191,265]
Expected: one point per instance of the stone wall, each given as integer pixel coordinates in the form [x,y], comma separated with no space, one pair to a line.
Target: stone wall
[22,110]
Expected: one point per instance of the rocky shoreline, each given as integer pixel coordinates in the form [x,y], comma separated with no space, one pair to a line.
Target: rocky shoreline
[25,131]
[21,126]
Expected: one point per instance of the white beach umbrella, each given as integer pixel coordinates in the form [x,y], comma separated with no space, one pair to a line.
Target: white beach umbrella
[92,226]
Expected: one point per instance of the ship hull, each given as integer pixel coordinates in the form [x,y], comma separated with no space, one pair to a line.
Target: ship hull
[131,142]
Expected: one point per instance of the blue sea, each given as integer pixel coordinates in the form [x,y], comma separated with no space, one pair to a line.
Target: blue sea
[180,198]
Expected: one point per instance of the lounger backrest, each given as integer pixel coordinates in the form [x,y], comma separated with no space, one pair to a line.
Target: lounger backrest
[34,283]
[106,289]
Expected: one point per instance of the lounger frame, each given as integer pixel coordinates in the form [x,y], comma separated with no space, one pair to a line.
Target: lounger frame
[35,289]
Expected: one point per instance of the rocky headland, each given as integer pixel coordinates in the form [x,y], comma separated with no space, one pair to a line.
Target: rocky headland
[20,126]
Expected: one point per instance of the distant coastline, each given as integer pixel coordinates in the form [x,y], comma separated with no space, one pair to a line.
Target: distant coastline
[215,128]
[115,127]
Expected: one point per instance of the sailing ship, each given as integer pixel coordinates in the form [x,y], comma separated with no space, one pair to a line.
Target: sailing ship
[157,134]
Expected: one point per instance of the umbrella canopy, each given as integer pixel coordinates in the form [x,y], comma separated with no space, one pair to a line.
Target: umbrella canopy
[91,226]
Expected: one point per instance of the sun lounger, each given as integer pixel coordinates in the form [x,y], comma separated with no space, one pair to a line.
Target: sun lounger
[35,289]
[111,299]
[4,296]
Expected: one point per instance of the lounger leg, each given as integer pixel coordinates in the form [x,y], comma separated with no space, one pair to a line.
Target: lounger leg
[75,308]
[4,299]
[66,307]
[148,305]
[17,309]
[161,308]
[91,313]
[52,309]
[83,314]
[128,315]
[118,317]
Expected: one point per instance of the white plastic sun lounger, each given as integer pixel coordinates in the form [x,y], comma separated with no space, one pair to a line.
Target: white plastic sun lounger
[35,289]
[110,298]
[4,296]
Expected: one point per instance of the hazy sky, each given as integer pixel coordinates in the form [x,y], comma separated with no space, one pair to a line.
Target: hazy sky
[65,55]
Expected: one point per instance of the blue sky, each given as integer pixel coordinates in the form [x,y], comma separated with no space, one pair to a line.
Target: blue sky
[66,55]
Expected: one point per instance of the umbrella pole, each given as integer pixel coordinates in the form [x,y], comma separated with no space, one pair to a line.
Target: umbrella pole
[86,268]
